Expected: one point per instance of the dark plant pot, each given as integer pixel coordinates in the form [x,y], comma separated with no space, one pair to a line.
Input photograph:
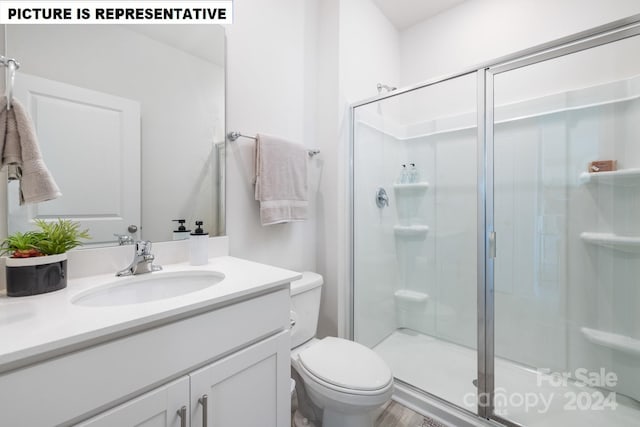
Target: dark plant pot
[37,275]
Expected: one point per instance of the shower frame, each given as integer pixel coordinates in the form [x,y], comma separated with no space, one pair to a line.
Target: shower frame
[486,241]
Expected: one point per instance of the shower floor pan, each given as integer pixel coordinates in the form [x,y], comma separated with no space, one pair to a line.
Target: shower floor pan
[448,371]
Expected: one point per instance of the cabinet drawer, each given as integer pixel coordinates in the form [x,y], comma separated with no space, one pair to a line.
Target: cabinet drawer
[72,387]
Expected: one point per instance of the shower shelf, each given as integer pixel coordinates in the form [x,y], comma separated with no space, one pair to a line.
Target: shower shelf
[414,232]
[612,241]
[623,177]
[618,342]
[414,188]
[411,296]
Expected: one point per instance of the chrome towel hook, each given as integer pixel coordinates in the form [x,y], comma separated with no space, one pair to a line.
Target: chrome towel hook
[12,78]
[12,66]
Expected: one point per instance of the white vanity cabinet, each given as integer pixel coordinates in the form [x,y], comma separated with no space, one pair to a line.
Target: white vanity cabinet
[162,407]
[236,353]
[247,388]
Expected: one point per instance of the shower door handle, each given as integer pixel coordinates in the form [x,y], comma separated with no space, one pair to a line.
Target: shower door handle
[492,244]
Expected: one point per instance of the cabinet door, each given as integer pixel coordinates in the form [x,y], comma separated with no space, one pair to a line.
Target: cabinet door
[158,408]
[248,388]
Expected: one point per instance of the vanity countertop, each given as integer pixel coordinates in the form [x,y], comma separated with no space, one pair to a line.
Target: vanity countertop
[38,327]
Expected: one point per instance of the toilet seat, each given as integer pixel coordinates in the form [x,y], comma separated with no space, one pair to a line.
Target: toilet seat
[345,366]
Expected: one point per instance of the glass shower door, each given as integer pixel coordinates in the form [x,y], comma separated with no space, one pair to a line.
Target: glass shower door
[567,220]
[415,236]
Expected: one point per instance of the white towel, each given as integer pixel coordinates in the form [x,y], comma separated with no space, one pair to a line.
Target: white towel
[281,180]
[20,151]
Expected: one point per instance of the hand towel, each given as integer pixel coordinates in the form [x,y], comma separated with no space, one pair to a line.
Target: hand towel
[281,180]
[19,149]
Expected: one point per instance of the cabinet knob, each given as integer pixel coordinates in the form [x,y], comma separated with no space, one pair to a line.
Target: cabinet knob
[204,402]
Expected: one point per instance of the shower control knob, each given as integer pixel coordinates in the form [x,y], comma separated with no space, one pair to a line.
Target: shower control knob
[382,199]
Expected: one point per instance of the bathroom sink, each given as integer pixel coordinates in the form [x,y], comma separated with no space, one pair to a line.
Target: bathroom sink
[148,287]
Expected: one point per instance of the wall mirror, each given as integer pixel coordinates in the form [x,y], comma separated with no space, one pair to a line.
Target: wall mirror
[131,123]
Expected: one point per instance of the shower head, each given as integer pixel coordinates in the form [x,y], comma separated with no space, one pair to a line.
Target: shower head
[385,87]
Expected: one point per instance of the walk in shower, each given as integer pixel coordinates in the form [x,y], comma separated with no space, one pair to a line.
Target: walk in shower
[496,234]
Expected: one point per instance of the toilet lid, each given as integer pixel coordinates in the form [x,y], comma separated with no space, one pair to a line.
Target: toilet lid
[346,364]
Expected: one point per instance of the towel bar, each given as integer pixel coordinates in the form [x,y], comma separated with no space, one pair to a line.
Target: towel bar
[235,135]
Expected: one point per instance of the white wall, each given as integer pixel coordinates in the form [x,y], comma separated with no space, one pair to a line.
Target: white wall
[293,69]
[368,54]
[270,75]
[331,255]
[477,31]
[369,50]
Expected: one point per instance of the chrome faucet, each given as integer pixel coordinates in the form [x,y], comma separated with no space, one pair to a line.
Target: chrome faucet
[124,239]
[142,260]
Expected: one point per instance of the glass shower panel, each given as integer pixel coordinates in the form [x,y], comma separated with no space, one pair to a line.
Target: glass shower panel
[415,236]
[567,222]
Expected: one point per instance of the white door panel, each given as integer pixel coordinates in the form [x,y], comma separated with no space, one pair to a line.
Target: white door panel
[90,141]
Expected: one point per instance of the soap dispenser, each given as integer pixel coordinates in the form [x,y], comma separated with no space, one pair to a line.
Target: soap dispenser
[198,246]
[402,178]
[181,233]
[414,175]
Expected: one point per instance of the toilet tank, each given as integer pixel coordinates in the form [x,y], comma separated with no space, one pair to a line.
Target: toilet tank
[305,307]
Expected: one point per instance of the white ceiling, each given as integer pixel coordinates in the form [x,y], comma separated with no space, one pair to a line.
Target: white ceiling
[405,13]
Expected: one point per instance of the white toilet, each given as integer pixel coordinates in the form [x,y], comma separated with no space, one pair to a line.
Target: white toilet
[347,380]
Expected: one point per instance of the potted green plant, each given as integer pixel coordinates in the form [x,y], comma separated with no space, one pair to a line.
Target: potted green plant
[37,260]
